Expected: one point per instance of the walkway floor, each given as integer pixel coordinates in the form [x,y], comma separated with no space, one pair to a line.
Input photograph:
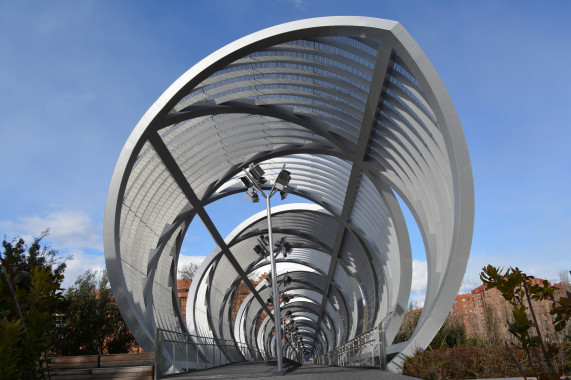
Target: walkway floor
[260,370]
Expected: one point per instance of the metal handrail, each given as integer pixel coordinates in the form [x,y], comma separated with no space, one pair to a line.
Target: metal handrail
[355,352]
[177,352]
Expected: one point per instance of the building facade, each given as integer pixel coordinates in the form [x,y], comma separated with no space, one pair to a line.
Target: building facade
[483,312]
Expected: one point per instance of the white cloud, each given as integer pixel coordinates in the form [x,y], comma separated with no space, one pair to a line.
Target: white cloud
[80,264]
[299,4]
[72,232]
[419,281]
[68,229]
[182,259]
[418,300]
[419,277]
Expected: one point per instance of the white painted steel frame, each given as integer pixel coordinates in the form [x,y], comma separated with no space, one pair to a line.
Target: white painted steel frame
[355,109]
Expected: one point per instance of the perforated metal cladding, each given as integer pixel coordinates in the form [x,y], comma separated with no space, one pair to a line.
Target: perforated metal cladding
[320,178]
[298,288]
[165,311]
[152,200]
[326,76]
[305,224]
[205,148]
[359,264]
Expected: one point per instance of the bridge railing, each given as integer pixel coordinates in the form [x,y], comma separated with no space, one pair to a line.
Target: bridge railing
[365,350]
[177,352]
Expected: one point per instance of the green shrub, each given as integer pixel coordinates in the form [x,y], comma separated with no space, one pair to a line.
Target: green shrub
[30,295]
[464,362]
[451,334]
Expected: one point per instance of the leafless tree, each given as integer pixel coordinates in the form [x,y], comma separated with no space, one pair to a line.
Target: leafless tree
[186,271]
[564,279]
[409,323]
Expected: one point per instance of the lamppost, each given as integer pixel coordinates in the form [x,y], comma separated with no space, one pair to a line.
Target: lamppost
[254,180]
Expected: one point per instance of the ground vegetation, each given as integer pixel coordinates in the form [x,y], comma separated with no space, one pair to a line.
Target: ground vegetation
[525,353]
[30,298]
[90,322]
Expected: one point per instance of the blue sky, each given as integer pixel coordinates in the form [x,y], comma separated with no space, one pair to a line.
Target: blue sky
[76,76]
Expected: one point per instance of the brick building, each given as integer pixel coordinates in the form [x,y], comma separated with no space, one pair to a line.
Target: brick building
[182,287]
[242,293]
[484,311]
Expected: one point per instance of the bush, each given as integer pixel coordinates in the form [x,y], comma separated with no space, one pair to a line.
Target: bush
[465,362]
[90,323]
[409,322]
[30,295]
[451,334]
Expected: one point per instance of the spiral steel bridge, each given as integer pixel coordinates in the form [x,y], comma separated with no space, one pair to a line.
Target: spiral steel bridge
[358,114]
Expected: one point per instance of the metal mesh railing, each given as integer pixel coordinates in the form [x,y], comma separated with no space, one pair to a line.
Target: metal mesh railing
[365,350]
[177,352]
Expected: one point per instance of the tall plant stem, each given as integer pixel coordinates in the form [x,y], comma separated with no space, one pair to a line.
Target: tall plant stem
[541,343]
[515,360]
[15,300]
[17,308]
[537,373]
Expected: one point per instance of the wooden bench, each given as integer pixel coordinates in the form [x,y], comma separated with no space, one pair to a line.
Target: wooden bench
[69,362]
[116,366]
[127,360]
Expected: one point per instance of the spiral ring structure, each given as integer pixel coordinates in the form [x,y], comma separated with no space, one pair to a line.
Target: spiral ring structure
[358,114]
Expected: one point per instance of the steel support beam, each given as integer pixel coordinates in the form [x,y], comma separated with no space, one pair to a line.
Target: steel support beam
[170,163]
[367,127]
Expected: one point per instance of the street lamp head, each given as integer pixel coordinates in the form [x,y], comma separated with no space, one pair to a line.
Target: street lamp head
[251,194]
[264,239]
[246,181]
[283,194]
[261,251]
[283,180]
[257,172]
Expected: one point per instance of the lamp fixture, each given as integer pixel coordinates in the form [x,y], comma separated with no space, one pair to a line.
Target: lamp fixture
[283,179]
[258,173]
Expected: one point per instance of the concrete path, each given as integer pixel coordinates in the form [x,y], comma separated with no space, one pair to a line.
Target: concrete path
[260,370]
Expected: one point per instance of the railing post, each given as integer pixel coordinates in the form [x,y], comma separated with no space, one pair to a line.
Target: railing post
[382,349]
[196,348]
[158,350]
[373,355]
[360,352]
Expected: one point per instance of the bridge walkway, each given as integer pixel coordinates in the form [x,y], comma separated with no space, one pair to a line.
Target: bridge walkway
[261,370]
